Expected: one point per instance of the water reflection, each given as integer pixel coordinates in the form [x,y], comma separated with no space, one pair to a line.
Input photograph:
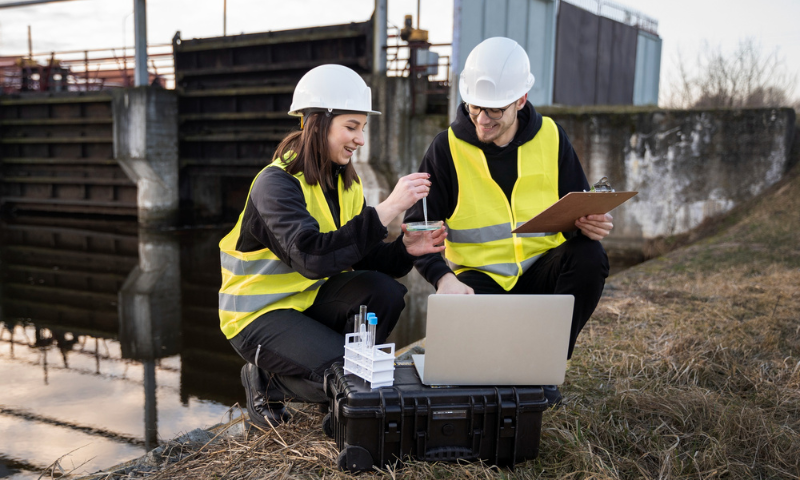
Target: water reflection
[109,342]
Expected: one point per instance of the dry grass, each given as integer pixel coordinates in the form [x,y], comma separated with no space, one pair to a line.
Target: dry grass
[690,368]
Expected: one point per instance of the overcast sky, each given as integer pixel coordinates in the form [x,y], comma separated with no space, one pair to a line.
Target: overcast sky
[684,25]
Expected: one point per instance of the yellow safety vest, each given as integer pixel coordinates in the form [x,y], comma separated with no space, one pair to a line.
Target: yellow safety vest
[254,283]
[479,230]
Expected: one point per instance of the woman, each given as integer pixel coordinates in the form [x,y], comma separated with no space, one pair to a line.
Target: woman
[307,252]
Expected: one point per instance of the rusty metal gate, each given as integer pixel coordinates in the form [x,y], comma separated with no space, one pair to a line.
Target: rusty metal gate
[57,155]
[234,93]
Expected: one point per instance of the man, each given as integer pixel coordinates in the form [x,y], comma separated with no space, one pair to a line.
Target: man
[499,164]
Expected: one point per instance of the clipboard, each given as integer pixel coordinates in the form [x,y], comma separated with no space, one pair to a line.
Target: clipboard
[561,216]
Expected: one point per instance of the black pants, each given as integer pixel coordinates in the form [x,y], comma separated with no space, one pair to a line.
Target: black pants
[577,267]
[294,348]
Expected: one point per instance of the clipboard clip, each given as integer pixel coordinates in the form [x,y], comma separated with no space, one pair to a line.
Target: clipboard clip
[602,185]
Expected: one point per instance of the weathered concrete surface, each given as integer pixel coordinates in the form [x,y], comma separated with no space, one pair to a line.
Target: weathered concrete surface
[146,147]
[688,166]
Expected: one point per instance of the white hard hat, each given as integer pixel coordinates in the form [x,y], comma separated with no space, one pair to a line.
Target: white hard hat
[331,87]
[497,73]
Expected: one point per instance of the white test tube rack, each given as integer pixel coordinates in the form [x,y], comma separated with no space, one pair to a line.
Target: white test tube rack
[375,365]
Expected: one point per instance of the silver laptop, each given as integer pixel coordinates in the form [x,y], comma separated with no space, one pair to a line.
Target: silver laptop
[496,340]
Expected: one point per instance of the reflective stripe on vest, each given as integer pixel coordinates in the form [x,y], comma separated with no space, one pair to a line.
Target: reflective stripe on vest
[479,231]
[254,283]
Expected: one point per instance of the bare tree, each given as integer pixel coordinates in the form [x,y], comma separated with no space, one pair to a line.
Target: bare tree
[745,78]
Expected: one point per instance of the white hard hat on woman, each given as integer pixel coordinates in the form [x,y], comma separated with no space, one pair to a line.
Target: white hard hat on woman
[497,72]
[332,88]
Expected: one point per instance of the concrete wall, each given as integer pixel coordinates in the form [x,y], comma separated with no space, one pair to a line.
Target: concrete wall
[687,166]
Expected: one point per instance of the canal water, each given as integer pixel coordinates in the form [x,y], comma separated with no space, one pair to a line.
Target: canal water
[110,341]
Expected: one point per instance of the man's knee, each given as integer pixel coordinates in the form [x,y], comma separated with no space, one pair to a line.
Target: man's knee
[588,255]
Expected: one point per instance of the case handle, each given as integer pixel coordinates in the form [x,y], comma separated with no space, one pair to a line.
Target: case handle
[449,454]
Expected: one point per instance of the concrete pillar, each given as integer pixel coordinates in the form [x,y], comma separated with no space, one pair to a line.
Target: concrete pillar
[146,147]
[150,300]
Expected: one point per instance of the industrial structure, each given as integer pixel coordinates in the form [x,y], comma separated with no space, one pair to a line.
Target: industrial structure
[102,149]
[573,46]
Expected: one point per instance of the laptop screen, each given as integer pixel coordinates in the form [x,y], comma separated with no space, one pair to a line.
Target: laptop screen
[497,339]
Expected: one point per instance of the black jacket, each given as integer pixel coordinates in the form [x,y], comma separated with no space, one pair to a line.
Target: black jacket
[502,162]
[276,217]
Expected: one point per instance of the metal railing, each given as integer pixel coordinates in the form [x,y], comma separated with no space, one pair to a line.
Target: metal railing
[399,56]
[84,70]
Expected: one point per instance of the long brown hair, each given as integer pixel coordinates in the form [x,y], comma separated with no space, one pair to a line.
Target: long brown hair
[313,158]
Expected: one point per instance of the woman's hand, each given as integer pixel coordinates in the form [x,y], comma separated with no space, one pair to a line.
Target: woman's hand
[424,242]
[449,284]
[596,227]
[408,191]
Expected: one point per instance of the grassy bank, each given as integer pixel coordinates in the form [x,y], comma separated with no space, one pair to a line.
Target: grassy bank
[691,365]
[690,368]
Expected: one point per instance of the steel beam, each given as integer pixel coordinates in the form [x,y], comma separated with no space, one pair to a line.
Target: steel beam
[379,38]
[140,77]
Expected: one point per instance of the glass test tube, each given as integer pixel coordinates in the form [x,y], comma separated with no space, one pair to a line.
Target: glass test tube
[362,310]
[360,318]
[373,323]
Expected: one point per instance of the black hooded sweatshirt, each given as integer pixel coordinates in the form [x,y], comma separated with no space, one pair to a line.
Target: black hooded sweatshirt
[502,162]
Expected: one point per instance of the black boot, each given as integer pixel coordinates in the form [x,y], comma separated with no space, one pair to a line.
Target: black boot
[262,412]
[552,395]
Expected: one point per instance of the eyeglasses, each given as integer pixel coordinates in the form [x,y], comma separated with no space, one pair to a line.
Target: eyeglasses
[493,113]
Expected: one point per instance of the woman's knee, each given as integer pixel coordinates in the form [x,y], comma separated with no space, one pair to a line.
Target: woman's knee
[388,301]
[387,289]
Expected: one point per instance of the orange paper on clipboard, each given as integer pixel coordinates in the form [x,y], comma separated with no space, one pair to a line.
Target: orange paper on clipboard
[561,216]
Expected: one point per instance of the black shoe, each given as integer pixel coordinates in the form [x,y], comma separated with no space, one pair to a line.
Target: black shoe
[263,413]
[552,395]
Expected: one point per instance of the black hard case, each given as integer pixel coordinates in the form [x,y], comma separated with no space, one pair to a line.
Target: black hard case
[500,425]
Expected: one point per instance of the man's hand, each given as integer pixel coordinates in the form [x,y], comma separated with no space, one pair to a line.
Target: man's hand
[596,227]
[424,242]
[449,285]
